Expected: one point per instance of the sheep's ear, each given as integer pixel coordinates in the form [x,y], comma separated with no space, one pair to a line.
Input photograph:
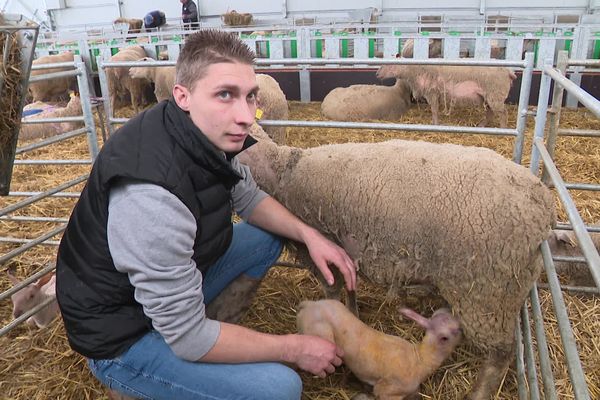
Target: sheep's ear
[418,318]
[13,279]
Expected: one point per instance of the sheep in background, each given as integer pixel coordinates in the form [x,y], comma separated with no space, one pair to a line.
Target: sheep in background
[163,78]
[367,102]
[462,219]
[120,84]
[447,85]
[33,295]
[52,89]
[435,48]
[564,243]
[135,24]
[272,101]
[393,366]
[38,131]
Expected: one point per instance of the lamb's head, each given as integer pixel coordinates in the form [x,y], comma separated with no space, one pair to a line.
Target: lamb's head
[141,72]
[443,331]
[26,298]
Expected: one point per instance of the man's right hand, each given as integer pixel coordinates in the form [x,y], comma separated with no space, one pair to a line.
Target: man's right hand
[313,354]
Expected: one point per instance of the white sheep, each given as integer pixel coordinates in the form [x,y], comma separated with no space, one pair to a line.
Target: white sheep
[462,219]
[367,102]
[120,84]
[273,103]
[33,295]
[393,366]
[447,85]
[163,78]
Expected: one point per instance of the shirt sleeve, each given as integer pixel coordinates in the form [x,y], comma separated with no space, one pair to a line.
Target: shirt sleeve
[245,194]
[151,236]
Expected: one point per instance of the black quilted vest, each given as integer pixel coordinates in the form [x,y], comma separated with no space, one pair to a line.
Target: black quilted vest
[160,146]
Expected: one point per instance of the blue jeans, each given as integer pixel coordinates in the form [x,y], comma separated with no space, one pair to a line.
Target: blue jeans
[150,370]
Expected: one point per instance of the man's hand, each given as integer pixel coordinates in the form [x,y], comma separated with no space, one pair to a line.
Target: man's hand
[318,356]
[324,252]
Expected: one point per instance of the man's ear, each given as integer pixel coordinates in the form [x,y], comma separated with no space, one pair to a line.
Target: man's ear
[182,97]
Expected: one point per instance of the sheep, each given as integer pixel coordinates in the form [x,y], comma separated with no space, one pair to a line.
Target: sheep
[497,50]
[272,101]
[120,84]
[464,220]
[564,243]
[367,102]
[447,85]
[135,24]
[52,89]
[163,78]
[435,48]
[393,366]
[33,295]
[38,131]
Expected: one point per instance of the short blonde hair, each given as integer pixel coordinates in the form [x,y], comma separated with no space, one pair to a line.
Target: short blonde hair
[206,47]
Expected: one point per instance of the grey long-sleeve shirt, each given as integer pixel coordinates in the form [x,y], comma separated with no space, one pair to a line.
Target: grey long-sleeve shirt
[151,237]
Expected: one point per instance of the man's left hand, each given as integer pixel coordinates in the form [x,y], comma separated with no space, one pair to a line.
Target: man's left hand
[324,252]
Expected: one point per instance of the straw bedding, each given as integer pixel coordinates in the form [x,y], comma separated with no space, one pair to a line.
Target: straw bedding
[38,364]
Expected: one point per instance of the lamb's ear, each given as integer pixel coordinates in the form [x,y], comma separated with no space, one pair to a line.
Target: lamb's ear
[13,279]
[418,318]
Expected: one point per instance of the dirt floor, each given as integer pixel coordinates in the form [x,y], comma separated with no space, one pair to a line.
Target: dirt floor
[38,364]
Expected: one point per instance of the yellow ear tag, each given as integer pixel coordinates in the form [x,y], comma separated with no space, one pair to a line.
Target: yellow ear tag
[259,113]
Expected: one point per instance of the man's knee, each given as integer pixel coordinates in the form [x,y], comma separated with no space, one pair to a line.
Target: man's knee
[286,384]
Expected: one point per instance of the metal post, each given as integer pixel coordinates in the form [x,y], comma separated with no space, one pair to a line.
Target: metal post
[304,85]
[554,118]
[86,107]
[108,111]
[522,108]
[540,117]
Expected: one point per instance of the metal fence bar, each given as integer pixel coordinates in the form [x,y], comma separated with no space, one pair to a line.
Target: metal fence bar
[583,186]
[578,132]
[566,333]
[589,101]
[53,75]
[540,119]
[49,141]
[60,194]
[52,162]
[522,108]
[534,390]
[585,242]
[542,346]
[52,120]
[41,195]
[520,363]
[19,240]
[31,243]
[32,219]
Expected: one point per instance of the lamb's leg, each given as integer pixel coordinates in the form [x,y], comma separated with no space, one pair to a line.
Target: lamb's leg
[490,374]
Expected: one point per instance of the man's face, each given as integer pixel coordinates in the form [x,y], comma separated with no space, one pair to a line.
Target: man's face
[222,104]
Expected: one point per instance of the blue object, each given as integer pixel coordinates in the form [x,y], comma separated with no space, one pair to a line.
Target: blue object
[33,111]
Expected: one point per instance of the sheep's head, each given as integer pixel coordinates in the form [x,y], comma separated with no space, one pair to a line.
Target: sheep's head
[141,72]
[26,298]
[443,331]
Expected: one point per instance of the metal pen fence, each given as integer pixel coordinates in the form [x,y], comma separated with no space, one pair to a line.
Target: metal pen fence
[78,69]
[526,358]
